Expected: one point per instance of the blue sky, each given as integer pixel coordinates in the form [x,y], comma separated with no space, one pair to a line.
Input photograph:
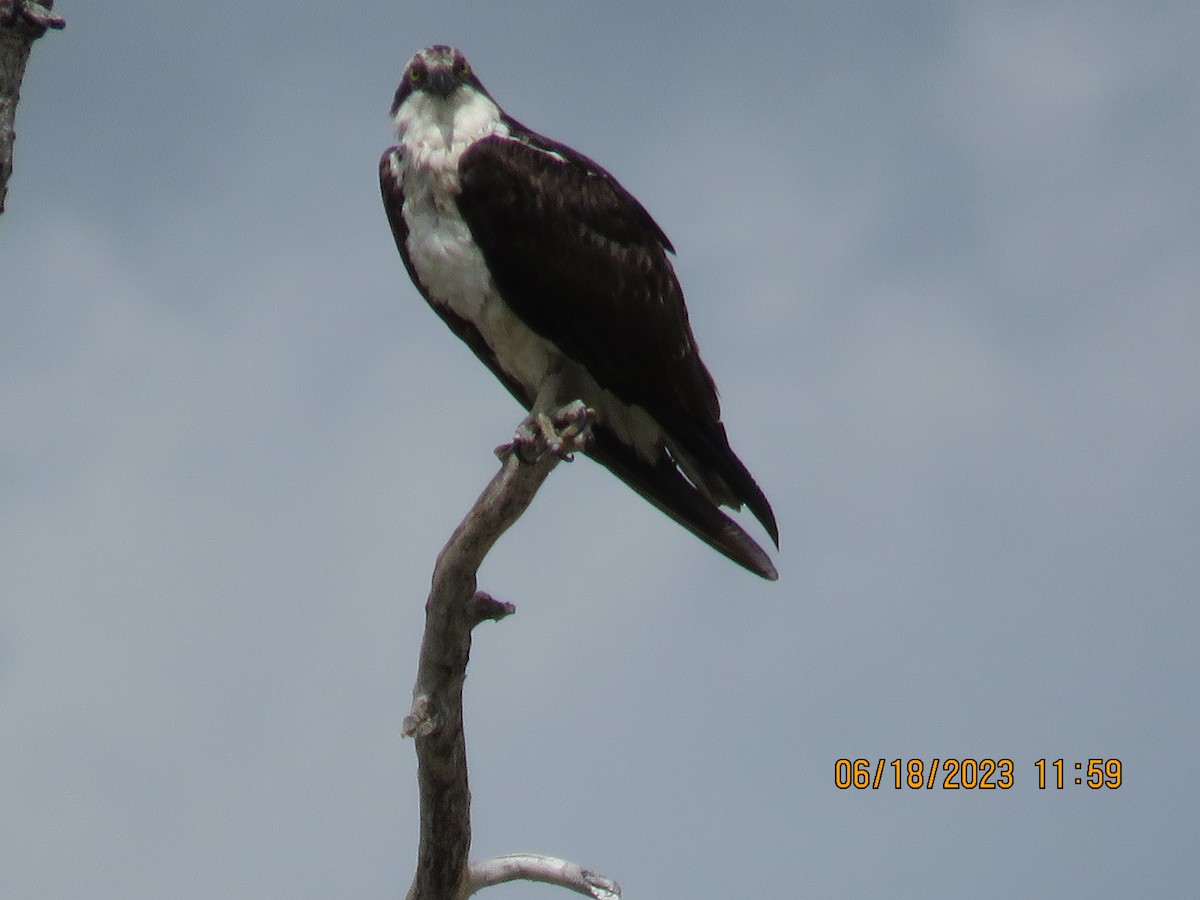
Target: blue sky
[941,259]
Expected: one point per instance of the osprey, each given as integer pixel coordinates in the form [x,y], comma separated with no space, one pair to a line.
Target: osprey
[559,281]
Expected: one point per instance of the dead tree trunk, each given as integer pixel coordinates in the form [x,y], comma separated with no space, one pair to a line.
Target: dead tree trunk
[21,23]
[454,607]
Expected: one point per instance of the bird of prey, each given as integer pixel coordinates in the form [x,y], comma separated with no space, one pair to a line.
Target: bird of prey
[560,282]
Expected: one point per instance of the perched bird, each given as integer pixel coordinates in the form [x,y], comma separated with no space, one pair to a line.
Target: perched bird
[560,282]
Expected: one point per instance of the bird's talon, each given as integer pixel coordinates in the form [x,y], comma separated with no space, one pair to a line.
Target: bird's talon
[562,433]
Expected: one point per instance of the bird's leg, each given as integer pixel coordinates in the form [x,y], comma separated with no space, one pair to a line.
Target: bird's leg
[562,431]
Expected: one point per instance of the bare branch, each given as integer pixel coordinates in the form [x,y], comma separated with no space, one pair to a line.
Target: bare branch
[455,607]
[21,23]
[546,869]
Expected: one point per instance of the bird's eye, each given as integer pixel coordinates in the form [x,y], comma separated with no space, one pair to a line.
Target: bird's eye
[416,76]
[462,69]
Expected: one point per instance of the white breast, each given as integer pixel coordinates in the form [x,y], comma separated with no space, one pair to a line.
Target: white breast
[433,137]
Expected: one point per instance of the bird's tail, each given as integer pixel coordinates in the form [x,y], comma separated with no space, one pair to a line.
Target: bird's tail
[664,486]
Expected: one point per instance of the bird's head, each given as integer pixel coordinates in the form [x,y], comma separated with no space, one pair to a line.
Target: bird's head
[440,102]
[437,75]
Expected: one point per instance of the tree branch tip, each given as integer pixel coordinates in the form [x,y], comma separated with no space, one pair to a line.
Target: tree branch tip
[483,606]
[36,13]
[543,869]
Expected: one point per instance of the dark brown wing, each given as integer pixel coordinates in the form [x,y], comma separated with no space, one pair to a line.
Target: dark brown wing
[583,264]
